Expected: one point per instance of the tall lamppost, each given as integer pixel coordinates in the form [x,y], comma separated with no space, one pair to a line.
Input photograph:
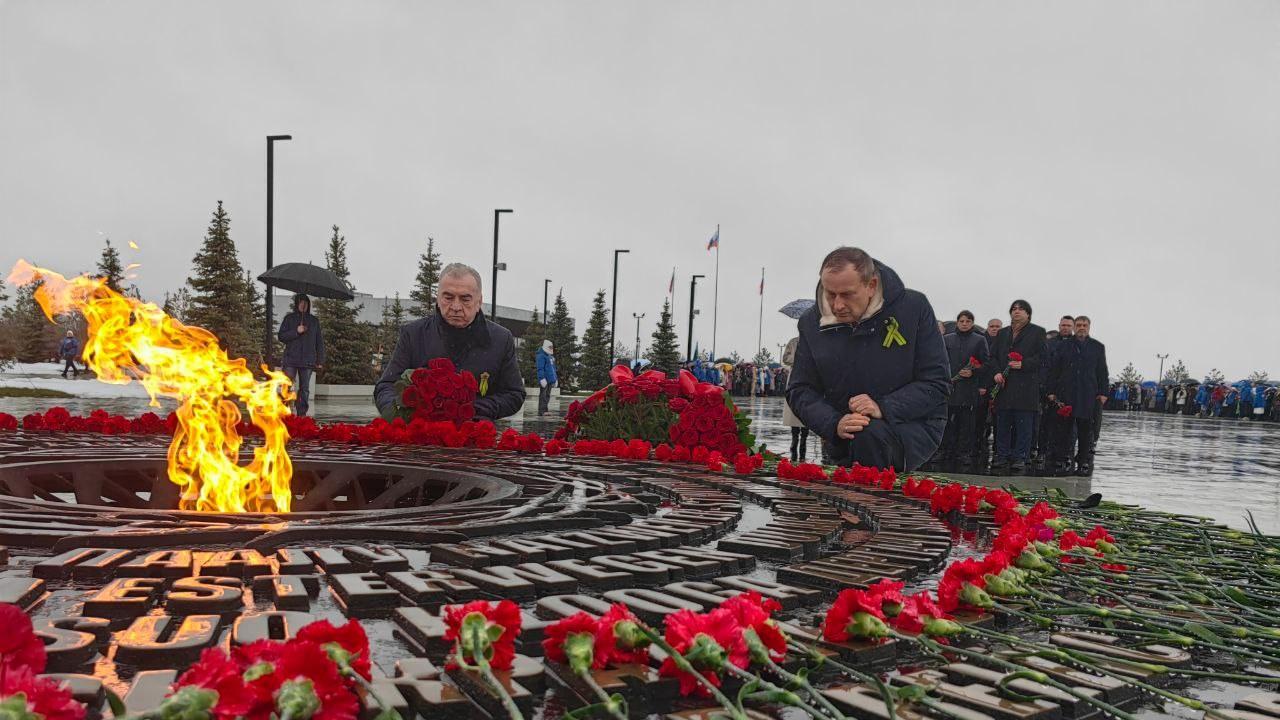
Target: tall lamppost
[546,311]
[638,318]
[493,288]
[693,287]
[613,308]
[1160,377]
[271,180]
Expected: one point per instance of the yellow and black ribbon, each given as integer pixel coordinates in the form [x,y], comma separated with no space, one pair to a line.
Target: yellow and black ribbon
[893,336]
[484,384]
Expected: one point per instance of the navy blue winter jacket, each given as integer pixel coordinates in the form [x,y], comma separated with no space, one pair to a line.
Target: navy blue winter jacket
[909,382]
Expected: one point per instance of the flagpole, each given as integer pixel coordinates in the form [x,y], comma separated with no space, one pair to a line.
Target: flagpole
[760,325]
[715,297]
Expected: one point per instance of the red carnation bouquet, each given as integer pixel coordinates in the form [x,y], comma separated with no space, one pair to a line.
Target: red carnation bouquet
[974,364]
[656,409]
[438,392]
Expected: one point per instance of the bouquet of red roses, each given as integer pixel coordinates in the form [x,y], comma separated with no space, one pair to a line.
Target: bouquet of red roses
[657,409]
[438,392]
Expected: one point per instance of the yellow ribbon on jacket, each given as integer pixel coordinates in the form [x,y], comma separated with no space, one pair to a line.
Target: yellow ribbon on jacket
[893,336]
[484,384]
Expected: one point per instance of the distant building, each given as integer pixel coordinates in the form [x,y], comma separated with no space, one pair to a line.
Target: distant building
[514,319]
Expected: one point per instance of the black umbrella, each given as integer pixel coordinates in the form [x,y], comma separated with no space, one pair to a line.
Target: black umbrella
[309,279]
[796,308]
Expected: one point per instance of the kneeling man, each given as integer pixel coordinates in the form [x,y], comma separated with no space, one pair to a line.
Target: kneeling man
[460,332]
[871,374]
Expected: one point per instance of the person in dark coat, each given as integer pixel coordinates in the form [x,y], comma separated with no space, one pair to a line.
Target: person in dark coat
[986,417]
[870,375]
[1046,437]
[459,331]
[303,350]
[1016,385]
[1078,377]
[69,350]
[959,441]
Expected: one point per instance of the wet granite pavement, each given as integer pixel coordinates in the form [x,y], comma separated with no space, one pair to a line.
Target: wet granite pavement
[1215,468]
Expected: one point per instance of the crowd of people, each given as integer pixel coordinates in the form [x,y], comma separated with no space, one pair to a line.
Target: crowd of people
[1246,399]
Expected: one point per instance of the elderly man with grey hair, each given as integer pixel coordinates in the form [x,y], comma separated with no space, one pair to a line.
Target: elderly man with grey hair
[458,330]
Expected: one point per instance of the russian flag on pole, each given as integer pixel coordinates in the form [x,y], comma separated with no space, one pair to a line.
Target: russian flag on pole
[714,242]
[671,286]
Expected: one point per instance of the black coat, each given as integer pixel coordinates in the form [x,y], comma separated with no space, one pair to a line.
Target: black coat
[961,347]
[482,347]
[909,382]
[305,350]
[1078,375]
[1021,389]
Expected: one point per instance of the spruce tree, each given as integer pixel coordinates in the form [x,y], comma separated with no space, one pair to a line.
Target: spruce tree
[423,293]
[346,340]
[594,364]
[1129,375]
[664,349]
[257,326]
[393,318]
[1177,375]
[177,305]
[218,298]
[110,269]
[762,358]
[560,331]
[532,340]
[36,339]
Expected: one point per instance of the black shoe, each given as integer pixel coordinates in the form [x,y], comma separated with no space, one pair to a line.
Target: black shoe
[1084,470]
[1017,468]
[64,376]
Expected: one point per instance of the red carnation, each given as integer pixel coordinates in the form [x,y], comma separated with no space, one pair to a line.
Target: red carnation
[572,641]
[349,636]
[19,647]
[618,638]
[755,612]
[505,614]
[45,698]
[707,641]
[1015,356]
[854,614]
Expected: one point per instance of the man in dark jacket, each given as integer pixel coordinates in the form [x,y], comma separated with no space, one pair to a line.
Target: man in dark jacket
[1047,423]
[303,349]
[1078,378]
[1016,384]
[870,373]
[460,332]
[964,346]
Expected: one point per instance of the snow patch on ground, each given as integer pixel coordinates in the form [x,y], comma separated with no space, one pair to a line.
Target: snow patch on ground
[48,376]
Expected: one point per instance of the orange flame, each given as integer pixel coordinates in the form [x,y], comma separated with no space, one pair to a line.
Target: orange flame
[132,340]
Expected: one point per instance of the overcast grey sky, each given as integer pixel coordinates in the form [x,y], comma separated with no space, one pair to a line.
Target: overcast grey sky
[1111,158]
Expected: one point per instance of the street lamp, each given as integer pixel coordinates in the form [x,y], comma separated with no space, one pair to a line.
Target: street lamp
[613,308]
[1160,377]
[546,311]
[637,350]
[493,288]
[693,287]
[271,180]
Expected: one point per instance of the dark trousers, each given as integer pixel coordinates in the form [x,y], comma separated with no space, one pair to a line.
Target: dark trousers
[71,365]
[544,398]
[301,379]
[1083,430]
[958,439]
[1013,435]
[799,441]
[985,424]
[876,446]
